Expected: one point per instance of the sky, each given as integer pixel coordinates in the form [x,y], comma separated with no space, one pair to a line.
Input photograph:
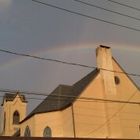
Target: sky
[32,28]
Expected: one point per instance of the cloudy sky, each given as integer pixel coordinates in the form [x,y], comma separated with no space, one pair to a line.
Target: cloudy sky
[32,28]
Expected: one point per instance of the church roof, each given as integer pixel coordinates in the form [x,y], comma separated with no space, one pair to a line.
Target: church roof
[63,96]
[11,97]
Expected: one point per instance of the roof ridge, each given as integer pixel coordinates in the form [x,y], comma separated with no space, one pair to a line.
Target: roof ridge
[87,76]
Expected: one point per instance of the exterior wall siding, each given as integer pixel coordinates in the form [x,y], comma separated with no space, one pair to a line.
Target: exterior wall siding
[51,119]
[89,115]
[130,113]
[31,124]
[68,122]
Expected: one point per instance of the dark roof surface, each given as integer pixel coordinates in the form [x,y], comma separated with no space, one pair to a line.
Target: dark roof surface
[11,97]
[55,101]
[63,96]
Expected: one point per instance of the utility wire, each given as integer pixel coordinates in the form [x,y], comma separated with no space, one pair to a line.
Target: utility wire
[96,6]
[56,104]
[122,4]
[87,16]
[64,62]
[32,98]
[108,120]
[68,97]
[42,58]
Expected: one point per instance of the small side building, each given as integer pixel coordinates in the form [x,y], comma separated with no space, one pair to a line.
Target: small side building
[14,111]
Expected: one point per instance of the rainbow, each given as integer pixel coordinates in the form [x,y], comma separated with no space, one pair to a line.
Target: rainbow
[43,52]
[66,49]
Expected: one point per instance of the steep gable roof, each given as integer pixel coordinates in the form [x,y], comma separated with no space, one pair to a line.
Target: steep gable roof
[63,96]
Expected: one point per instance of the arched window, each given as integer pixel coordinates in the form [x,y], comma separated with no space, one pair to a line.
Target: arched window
[47,132]
[27,132]
[16,117]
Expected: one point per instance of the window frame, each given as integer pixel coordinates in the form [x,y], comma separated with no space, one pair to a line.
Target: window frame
[47,132]
[16,117]
[27,132]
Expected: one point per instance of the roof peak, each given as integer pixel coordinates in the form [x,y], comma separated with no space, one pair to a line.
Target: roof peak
[12,96]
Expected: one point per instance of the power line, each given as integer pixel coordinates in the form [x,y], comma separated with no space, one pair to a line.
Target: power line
[68,97]
[108,120]
[42,58]
[85,100]
[132,74]
[96,6]
[122,4]
[32,98]
[87,16]
[64,62]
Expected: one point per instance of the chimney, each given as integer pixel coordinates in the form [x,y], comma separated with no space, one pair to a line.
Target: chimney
[104,63]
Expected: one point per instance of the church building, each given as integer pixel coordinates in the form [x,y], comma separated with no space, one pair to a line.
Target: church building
[103,104]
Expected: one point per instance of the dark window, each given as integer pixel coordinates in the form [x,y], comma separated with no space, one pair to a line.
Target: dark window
[27,132]
[16,117]
[117,80]
[47,132]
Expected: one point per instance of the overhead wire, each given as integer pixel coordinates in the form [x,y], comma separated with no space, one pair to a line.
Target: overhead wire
[57,103]
[85,15]
[30,98]
[125,5]
[104,101]
[105,9]
[82,98]
[85,100]
[43,58]
[68,97]
[64,62]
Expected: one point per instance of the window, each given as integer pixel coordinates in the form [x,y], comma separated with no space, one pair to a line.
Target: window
[47,132]
[117,80]
[27,132]
[16,117]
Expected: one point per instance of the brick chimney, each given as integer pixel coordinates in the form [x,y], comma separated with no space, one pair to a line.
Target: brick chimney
[104,63]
